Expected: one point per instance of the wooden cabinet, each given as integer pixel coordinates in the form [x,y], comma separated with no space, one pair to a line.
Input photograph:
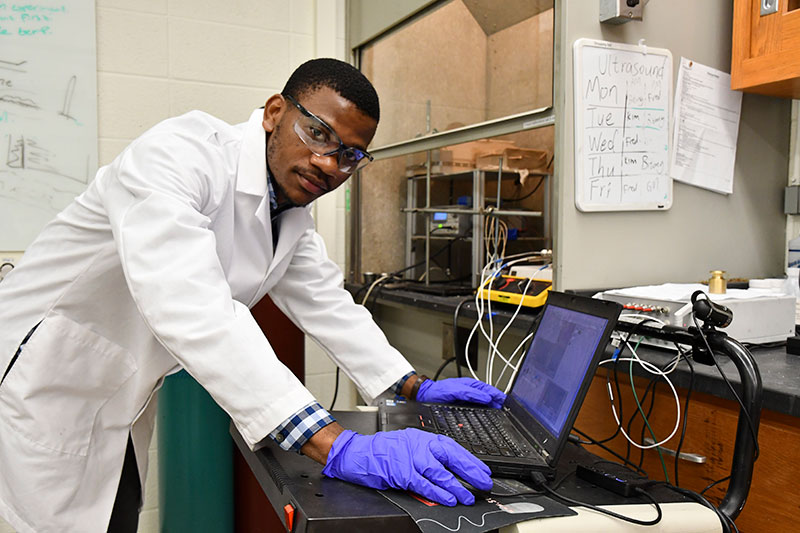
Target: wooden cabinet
[772,504]
[765,58]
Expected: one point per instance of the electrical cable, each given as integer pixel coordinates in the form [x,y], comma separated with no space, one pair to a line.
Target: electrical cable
[632,520]
[442,367]
[685,411]
[653,370]
[495,349]
[715,483]
[335,390]
[609,450]
[644,416]
[455,333]
[528,195]
[725,521]
[652,385]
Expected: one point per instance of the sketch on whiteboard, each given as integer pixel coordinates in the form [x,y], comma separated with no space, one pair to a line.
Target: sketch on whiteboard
[19,100]
[68,98]
[48,113]
[10,65]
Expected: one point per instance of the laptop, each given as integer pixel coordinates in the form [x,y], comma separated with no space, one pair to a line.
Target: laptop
[530,431]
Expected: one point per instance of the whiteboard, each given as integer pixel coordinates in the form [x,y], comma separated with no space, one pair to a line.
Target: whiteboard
[48,112]
[623,96]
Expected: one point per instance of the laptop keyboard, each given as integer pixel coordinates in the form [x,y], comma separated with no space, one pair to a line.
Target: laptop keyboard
[481,432]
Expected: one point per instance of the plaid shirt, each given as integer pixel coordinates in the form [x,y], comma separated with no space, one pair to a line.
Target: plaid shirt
[298,428]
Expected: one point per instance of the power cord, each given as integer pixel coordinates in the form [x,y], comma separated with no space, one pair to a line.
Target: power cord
[540,481]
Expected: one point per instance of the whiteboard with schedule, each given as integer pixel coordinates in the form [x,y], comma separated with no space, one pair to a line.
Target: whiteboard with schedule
[623,100]
[48,112]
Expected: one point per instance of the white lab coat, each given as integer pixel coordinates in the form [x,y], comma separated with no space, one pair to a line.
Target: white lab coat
[152,269]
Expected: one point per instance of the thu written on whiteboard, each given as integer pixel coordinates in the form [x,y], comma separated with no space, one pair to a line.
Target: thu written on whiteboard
[622,114]
[707,115]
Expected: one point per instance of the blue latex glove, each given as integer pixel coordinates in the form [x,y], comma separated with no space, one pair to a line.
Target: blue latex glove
[455,390]
[408,459]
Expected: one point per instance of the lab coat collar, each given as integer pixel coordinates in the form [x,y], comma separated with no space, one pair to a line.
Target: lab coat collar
[251,175]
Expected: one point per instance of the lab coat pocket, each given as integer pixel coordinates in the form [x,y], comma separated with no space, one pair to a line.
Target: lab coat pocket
[62,377]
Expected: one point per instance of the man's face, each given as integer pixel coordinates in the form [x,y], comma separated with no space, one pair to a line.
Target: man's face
[302,175]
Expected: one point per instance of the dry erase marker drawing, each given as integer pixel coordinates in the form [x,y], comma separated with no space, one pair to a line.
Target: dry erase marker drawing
[48,112]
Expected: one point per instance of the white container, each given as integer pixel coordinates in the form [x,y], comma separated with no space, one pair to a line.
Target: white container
[794,252]
[793,289]
[776,285]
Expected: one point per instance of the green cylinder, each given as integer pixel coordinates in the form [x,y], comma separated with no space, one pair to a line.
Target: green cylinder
[195,459]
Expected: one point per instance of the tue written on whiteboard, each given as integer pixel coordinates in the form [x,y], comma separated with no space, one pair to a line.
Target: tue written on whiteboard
[622,126]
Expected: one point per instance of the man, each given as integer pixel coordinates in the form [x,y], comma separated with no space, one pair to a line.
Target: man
[154,268]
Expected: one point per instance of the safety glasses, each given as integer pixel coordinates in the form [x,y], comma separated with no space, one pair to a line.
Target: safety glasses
[323,141]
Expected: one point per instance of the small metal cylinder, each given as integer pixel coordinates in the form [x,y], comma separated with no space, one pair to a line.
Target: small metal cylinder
[717,284]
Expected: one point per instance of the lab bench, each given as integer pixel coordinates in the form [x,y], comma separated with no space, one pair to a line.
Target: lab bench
[313,503]
[712,414]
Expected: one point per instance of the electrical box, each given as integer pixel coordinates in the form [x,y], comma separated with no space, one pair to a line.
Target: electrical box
[620,11]
[512,290]
[447,223]
[756,320]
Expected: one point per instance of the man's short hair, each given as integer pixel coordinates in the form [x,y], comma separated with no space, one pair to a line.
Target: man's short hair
[342,77]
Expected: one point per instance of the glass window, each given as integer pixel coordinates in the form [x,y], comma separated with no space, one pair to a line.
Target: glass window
[456,214]
[461,63]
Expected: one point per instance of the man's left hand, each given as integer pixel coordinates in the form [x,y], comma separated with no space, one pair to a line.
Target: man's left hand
[455,390]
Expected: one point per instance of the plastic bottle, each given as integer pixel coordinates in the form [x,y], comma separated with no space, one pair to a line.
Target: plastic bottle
[793,289]
[794,252]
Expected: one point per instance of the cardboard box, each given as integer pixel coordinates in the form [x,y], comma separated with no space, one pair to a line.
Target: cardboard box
[515,159]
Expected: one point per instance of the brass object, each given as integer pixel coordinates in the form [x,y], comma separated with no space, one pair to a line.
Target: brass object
[717,284]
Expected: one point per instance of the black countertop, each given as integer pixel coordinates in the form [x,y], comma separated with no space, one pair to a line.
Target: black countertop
[780,372]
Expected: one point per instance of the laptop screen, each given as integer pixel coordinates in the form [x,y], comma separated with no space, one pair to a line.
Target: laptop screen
[556,365]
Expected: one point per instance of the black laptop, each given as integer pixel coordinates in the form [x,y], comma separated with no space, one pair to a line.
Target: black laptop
[530,431]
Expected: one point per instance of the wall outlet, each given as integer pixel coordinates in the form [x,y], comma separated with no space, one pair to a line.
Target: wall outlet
[620,11]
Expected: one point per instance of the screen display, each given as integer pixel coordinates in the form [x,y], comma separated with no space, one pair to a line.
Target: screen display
[556,363]
[440,217]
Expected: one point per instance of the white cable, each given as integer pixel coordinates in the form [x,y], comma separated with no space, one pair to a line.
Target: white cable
[646,318]
[515,367]
[653,370]
[496,347]
[374,283]
[663,372]
[479,310]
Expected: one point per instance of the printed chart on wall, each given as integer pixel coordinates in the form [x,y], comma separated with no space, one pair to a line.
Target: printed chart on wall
[623,96]
[48,112]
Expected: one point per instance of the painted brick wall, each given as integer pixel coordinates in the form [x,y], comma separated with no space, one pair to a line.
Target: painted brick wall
[161,58]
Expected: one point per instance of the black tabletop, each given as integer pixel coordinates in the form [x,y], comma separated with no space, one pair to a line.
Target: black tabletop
[324,504]
[780,372]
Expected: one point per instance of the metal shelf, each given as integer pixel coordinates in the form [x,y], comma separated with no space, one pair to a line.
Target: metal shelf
[480,179]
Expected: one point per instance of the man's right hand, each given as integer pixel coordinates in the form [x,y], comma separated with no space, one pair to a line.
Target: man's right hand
[408,459]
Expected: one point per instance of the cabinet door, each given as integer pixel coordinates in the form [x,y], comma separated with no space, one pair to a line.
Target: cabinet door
[711,428]
[765,58]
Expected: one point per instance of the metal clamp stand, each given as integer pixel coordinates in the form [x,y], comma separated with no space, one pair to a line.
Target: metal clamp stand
[745,447]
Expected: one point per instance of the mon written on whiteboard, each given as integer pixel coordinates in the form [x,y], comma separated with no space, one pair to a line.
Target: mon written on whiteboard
[622,126]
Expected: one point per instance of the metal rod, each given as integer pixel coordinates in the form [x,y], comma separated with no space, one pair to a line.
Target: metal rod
[488,210]
[428,197]
[497,205]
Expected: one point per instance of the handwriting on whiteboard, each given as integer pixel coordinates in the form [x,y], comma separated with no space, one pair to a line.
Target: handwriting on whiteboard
[623,127]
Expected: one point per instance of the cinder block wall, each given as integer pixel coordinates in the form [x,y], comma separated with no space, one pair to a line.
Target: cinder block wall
[161,58]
